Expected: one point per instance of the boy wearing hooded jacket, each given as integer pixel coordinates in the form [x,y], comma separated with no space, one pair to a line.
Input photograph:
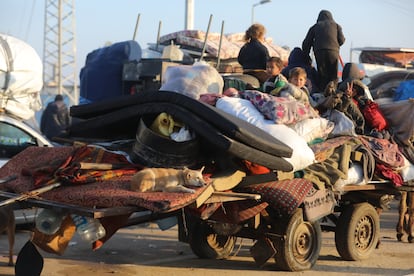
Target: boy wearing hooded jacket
[298,59]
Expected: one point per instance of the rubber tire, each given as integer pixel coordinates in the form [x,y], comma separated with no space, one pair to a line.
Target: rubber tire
[154,150]
[357,232]
[300,248]
[208,245]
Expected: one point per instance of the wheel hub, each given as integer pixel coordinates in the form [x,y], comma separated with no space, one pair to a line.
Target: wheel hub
[363,233]
[304,241]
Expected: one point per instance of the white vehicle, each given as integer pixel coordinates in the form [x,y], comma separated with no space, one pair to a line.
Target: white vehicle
[15,136]
[375,60]
[385,68]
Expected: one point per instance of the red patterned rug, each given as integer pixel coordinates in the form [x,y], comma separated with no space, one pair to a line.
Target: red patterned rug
[284,196]
[110,190]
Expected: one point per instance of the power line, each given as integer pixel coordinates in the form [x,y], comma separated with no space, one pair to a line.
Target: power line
[405,9]
[29,24]
[21,21]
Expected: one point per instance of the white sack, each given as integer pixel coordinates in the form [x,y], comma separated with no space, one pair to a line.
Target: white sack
[192,80]
[355,177]
[407,172]
[302,155]
[20,77]
[313,128]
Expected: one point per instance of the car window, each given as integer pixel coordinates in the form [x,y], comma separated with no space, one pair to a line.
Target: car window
[13,140]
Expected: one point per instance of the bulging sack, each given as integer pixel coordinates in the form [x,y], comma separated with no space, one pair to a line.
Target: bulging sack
[193,80]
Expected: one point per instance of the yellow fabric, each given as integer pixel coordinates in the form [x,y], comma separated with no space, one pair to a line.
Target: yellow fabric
[163,124]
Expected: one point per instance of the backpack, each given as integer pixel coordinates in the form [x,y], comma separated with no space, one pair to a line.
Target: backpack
[373,116]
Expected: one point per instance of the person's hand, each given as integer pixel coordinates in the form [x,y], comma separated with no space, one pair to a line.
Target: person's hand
[349,89]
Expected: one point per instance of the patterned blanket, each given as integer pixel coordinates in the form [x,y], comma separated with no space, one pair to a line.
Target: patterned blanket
[38,166]
[284,196]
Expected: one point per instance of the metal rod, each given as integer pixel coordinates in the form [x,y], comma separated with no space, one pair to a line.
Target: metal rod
[205,39]
[30,194]
[158,34]
[136,27]
[219,49]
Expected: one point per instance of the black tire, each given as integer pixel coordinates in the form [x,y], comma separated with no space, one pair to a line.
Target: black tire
[154,150]
[300,249]
[206,244]
[357,232]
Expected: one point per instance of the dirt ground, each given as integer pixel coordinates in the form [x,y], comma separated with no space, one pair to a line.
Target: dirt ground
[146,250]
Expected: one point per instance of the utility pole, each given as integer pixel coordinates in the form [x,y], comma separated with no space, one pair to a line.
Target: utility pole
[59,50]
[189,15]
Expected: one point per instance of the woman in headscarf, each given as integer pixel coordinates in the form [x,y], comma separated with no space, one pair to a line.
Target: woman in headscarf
[253,55]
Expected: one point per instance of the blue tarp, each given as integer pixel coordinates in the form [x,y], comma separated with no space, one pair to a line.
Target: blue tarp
[101,77]
[404,91]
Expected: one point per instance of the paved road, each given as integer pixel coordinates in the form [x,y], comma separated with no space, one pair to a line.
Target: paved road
[147,250]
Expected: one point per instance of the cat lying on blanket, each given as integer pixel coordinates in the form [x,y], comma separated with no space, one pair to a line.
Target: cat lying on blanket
[167,180]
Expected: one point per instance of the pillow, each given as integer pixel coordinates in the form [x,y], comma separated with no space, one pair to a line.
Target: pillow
[302,155]
[279,110]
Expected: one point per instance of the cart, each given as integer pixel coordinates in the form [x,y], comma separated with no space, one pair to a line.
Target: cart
[294,240]
[285,216]
[213,218]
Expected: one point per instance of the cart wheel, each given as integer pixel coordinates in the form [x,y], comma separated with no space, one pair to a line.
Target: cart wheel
[357,232]
[300,249]
[206,244]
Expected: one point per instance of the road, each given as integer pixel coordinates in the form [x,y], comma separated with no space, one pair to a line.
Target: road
[146,250]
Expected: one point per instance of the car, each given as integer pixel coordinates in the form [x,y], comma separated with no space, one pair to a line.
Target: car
[15,136]
[383,85]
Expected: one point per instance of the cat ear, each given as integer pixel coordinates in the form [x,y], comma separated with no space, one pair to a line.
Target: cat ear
[202,168]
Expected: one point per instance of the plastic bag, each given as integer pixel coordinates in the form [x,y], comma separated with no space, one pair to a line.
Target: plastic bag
[193,80]
[182,135]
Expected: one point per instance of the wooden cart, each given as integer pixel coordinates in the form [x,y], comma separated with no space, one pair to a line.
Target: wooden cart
[294,240]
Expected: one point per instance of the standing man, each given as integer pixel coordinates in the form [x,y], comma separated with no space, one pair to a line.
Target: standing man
[325,37]
[55,119]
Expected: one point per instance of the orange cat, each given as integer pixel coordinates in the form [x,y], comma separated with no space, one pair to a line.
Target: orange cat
[167,180]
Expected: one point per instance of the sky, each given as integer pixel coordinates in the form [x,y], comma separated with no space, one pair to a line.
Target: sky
[376,23]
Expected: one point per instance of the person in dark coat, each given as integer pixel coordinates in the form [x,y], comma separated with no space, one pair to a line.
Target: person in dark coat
[298,59]
[351,72]
[253,55]
[325,37]
[55,119]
